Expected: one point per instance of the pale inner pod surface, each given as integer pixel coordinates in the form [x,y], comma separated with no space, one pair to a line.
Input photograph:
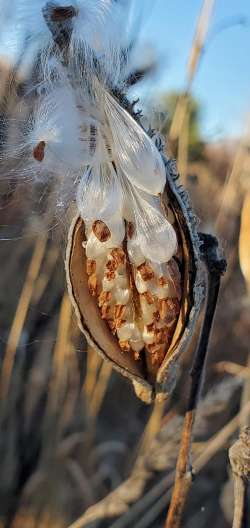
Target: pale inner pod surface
[134,309]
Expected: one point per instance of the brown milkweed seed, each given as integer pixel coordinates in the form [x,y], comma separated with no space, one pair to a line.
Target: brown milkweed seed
[101,231]
[38,151]
[118,255]
[119,311]
[148,297]
[91,266]
[156,316]
[125,346]
[110,275]
[112,265]
[157,353]
[150,327]
[162,281]
[116,324]
[146,272]
[92,284]
[104,297]
[130,229]
[169,308]
[105,311]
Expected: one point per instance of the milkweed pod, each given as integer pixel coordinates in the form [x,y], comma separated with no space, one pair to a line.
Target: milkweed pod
[141,333]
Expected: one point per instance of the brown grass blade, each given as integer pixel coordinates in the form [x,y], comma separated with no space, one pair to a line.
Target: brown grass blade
[244,241]
[129,499]
[21,313]
[193,62]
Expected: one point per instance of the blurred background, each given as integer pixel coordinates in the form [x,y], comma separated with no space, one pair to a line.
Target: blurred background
[76,446]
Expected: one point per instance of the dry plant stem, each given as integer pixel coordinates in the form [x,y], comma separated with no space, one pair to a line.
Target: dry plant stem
[240,493]
[215,268]
[219,440]
[234,369]
[229,185]
[100,389]
[182,161]
[93,365]
[63,339]
[21,313]
[45,276]
[193,63]
[245,398]
[124,502]
[60,363]
[239,455]
[153,427]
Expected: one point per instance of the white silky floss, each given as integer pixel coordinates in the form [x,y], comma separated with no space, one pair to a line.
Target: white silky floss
[99,27]
[90,138]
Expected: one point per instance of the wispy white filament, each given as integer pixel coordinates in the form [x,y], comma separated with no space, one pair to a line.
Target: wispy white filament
[81,136]
[154,236]
[134,151]
[99,194]
[100,30]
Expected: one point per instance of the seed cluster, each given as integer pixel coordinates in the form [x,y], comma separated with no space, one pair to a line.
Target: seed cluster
[139,299]
[160,294]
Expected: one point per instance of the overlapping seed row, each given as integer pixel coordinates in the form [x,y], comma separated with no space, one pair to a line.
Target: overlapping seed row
[160,295]
[139,299]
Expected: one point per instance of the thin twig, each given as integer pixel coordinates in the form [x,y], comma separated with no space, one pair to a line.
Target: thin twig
[62,347]
[45,275]
[239,455]
[232,368]
[219,440]
[230,185]
[193,63]
[245,397]
[215,266]
[119,501]
[153,427]
[93,365]
[100,389]
[21,313]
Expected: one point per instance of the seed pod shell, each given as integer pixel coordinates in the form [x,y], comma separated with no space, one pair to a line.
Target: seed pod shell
[96,329]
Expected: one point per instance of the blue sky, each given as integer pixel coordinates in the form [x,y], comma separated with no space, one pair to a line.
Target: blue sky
[222,83]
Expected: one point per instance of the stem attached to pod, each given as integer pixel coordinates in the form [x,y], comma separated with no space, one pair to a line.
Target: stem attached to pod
[215,267]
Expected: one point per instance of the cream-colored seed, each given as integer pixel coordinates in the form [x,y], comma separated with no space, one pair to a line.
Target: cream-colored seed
[121,296]
[147,310]
[147,322]
[126,331]
[137,345]
[148,337]
[141,285]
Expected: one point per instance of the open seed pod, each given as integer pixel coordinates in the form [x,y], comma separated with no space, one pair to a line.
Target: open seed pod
[139,317]
[133,252]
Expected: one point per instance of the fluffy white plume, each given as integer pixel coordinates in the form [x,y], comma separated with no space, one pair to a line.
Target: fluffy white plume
[99,30]
[134,152]
[57,122]
[99,195]
[81,138]
[154,236]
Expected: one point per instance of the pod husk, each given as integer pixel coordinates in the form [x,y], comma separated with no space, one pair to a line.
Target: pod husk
[96,330]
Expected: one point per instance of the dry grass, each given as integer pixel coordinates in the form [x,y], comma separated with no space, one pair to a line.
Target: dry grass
[75,444]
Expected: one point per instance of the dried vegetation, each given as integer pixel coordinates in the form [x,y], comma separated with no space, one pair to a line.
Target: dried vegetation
[76,446]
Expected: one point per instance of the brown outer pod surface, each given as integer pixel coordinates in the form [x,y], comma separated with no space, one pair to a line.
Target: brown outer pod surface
[153,370]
